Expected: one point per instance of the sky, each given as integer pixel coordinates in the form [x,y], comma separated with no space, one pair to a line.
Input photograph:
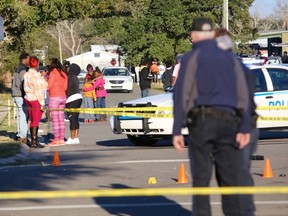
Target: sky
[265,6]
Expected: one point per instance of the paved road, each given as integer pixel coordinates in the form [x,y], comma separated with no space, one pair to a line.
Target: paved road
[104,160]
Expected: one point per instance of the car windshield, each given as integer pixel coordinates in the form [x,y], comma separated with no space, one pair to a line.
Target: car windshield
[116,72]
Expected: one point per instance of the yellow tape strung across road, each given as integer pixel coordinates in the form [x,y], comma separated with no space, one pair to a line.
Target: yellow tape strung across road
[263,118]
[149,112]
[119,109]
[272,107]
[163,108]
[120,112]
[142,192]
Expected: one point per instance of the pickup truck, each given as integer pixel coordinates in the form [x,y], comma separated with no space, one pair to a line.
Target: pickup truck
[271,90]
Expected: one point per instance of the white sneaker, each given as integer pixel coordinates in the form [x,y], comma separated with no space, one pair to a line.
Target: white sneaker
[69,141]
[76,141]
[72,141]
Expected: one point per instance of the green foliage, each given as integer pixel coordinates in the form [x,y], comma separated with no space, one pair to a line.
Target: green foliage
[144,28]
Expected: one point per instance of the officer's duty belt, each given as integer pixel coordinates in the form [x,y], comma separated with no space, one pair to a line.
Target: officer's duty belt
[215,112]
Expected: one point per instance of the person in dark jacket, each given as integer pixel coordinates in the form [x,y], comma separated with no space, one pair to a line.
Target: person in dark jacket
[74,100]
[247,206]
[212,100]
[145,79]
[18,97]
[167,76]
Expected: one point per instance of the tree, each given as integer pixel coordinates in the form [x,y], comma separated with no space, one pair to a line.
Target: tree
[69,34]
[22,17]
[160,30]
[281,12]
[144,28]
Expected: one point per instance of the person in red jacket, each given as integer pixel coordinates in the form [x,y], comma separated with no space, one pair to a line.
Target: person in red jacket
[57,86]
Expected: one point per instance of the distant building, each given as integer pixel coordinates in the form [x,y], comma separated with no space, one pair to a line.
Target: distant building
[271,42]
[100,55]
[112,48]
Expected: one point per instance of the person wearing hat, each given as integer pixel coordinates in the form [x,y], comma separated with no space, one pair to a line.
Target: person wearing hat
[34,87]
[211,99]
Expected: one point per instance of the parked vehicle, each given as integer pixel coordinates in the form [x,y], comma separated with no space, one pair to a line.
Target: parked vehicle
[118,79]
[82,74]
[271,90]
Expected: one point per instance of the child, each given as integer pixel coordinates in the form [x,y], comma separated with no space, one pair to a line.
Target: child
[89,97]
[100,93]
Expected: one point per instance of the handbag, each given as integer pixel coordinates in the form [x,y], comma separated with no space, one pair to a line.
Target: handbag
[149,76]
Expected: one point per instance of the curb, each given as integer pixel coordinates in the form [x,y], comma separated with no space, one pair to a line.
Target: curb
[26,153]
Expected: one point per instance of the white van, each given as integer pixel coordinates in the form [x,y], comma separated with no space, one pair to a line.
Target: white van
[271,90]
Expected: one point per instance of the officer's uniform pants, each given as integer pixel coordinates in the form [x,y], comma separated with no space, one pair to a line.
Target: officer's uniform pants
[213,141]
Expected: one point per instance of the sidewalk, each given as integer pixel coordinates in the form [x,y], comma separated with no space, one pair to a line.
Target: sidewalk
[29,154]
[3,108]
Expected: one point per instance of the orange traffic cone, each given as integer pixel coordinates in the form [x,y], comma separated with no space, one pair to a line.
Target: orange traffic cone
[56,160]
[182,177]
[267,169]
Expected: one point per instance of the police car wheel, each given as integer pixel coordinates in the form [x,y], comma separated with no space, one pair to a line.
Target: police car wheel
[141,140]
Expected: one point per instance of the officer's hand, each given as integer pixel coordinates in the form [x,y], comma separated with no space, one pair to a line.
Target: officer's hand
[242,139]
[179,142]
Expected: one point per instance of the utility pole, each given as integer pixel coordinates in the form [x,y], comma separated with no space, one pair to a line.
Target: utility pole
[225,15]
[1,28]
[60,47]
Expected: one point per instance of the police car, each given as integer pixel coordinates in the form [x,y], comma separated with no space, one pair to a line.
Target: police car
[271,90]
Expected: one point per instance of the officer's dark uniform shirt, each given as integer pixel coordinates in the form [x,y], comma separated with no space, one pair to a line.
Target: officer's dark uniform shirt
[211,77]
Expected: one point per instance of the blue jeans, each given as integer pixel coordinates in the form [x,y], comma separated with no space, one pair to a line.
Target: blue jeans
[88,103]
[100,103]
[145,92]
[22,117]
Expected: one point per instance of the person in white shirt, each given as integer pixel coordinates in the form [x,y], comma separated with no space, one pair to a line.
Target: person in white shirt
[137,70]
[162,69]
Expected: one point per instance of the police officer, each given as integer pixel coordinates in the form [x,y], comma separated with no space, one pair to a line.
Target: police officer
[247,207]
[211,98]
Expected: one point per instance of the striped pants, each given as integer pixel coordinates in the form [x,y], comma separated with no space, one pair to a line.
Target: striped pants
[57,116]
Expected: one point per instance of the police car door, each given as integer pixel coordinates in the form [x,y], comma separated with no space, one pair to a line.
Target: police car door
[263,95]
[279,78]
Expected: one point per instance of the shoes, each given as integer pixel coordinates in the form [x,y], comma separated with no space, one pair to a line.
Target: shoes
[103,120]
[37,145]
[87,121]
[56,143]
[91,120]
[23,140]
[76,141]
[71,141]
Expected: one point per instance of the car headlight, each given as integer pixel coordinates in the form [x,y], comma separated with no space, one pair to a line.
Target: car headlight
[128,81]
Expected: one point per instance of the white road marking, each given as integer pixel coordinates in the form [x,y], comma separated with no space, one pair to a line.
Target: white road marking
[51,207]
[108,162]
[151,161]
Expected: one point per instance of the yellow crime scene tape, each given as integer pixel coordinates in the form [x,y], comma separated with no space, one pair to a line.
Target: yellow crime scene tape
[134,112]
[272,108]
[162,112]
[142,192]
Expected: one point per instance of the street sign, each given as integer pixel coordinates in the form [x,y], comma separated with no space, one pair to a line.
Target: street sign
[1,28]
